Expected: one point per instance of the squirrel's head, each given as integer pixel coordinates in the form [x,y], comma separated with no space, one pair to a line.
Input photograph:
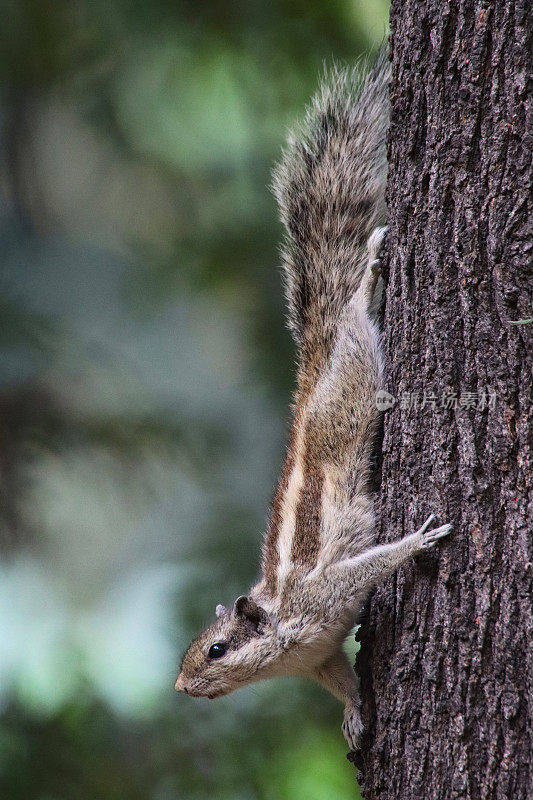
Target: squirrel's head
[240,647]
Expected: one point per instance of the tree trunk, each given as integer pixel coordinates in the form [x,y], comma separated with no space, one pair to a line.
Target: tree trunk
[446,664]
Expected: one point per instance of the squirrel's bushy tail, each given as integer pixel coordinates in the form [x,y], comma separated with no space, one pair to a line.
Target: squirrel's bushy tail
[330,186]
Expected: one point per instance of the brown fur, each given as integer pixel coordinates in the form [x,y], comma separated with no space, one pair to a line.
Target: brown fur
[306,541]
[270,557]
[330,188]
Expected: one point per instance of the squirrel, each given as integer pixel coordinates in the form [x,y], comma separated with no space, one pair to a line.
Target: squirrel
[319,557]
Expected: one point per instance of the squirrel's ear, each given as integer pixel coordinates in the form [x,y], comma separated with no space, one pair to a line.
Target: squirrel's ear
[247,609]
[219,610]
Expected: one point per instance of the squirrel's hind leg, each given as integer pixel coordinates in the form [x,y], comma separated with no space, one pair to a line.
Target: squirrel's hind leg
[368,294]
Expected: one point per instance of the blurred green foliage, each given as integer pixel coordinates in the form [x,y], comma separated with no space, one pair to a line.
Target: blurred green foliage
[144,388]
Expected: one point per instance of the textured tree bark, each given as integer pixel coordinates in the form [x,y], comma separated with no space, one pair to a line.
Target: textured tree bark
[446,661]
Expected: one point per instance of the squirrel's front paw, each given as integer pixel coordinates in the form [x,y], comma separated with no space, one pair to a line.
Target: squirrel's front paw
[429,538]
[352,727]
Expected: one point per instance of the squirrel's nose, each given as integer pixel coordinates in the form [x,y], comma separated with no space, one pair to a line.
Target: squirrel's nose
[180,684]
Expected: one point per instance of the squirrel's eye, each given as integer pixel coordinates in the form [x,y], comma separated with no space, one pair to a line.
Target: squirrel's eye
[217,650]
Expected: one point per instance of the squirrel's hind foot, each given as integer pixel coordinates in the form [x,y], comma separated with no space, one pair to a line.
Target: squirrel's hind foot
[375,243]
[367,292]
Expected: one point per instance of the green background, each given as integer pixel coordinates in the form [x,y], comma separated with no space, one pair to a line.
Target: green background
[145,384]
